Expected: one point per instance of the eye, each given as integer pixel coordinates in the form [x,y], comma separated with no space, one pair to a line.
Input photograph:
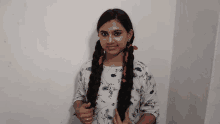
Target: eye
[103,34]
[117,34]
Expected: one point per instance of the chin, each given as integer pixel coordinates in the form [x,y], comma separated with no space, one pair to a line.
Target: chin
[113,52]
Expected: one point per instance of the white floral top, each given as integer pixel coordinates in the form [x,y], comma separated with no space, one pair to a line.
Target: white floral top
[143,95]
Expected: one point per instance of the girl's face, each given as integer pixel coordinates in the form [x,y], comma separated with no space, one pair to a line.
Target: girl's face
[113,37]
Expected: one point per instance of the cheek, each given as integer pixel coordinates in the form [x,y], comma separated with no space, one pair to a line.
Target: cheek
[121,41]
[103,44]
[119,38]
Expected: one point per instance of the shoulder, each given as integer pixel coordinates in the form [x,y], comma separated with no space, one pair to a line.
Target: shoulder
[87,65]
[140,67]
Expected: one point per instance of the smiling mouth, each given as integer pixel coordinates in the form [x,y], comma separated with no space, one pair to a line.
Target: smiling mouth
[112,47]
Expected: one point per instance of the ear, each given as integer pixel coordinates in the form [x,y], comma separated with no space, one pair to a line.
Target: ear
[130,34]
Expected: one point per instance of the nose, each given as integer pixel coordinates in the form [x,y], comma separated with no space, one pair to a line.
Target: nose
[110,38]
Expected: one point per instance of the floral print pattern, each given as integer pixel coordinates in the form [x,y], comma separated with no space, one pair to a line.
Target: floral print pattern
[143,95]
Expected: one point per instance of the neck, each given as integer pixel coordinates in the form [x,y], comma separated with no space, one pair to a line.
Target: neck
[116,60]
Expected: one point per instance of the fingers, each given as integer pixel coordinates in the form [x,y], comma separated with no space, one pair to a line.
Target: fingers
[87,115]
[127,119]
[117,117]
[114,121]
[88,110]
[127,113]
[86,120]
[90,120]
[86,105]
[88,123]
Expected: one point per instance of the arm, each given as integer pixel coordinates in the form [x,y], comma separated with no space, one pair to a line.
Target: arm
[147,119]
[149,100]
[80,95]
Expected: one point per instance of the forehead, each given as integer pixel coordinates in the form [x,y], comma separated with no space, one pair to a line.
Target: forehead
[112,25]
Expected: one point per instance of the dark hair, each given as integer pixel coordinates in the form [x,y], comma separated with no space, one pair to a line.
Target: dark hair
[99,56]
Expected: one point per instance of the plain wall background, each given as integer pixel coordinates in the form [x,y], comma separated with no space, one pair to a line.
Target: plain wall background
[44,43]
[195,67]
[213,103]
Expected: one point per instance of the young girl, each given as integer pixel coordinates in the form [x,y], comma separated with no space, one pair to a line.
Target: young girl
[113,87]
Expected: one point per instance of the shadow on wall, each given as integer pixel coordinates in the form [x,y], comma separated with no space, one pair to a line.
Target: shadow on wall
[92,42]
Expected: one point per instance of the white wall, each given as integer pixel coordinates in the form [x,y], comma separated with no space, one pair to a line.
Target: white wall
[195,34]
[44,43]
[155,44]
[213,103]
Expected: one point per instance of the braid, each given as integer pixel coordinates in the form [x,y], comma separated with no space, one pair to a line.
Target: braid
[124,94]
[95,77]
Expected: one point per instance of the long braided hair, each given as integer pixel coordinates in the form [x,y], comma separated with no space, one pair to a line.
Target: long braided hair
[99,56]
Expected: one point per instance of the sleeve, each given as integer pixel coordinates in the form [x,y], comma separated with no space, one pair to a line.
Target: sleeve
[149,99]
[80,93]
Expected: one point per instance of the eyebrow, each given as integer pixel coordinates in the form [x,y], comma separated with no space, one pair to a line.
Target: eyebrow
[107,31]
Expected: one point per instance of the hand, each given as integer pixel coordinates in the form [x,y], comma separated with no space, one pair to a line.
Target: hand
[117,119]
[85,115]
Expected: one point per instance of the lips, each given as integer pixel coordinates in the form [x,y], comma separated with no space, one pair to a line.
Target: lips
[112,47]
